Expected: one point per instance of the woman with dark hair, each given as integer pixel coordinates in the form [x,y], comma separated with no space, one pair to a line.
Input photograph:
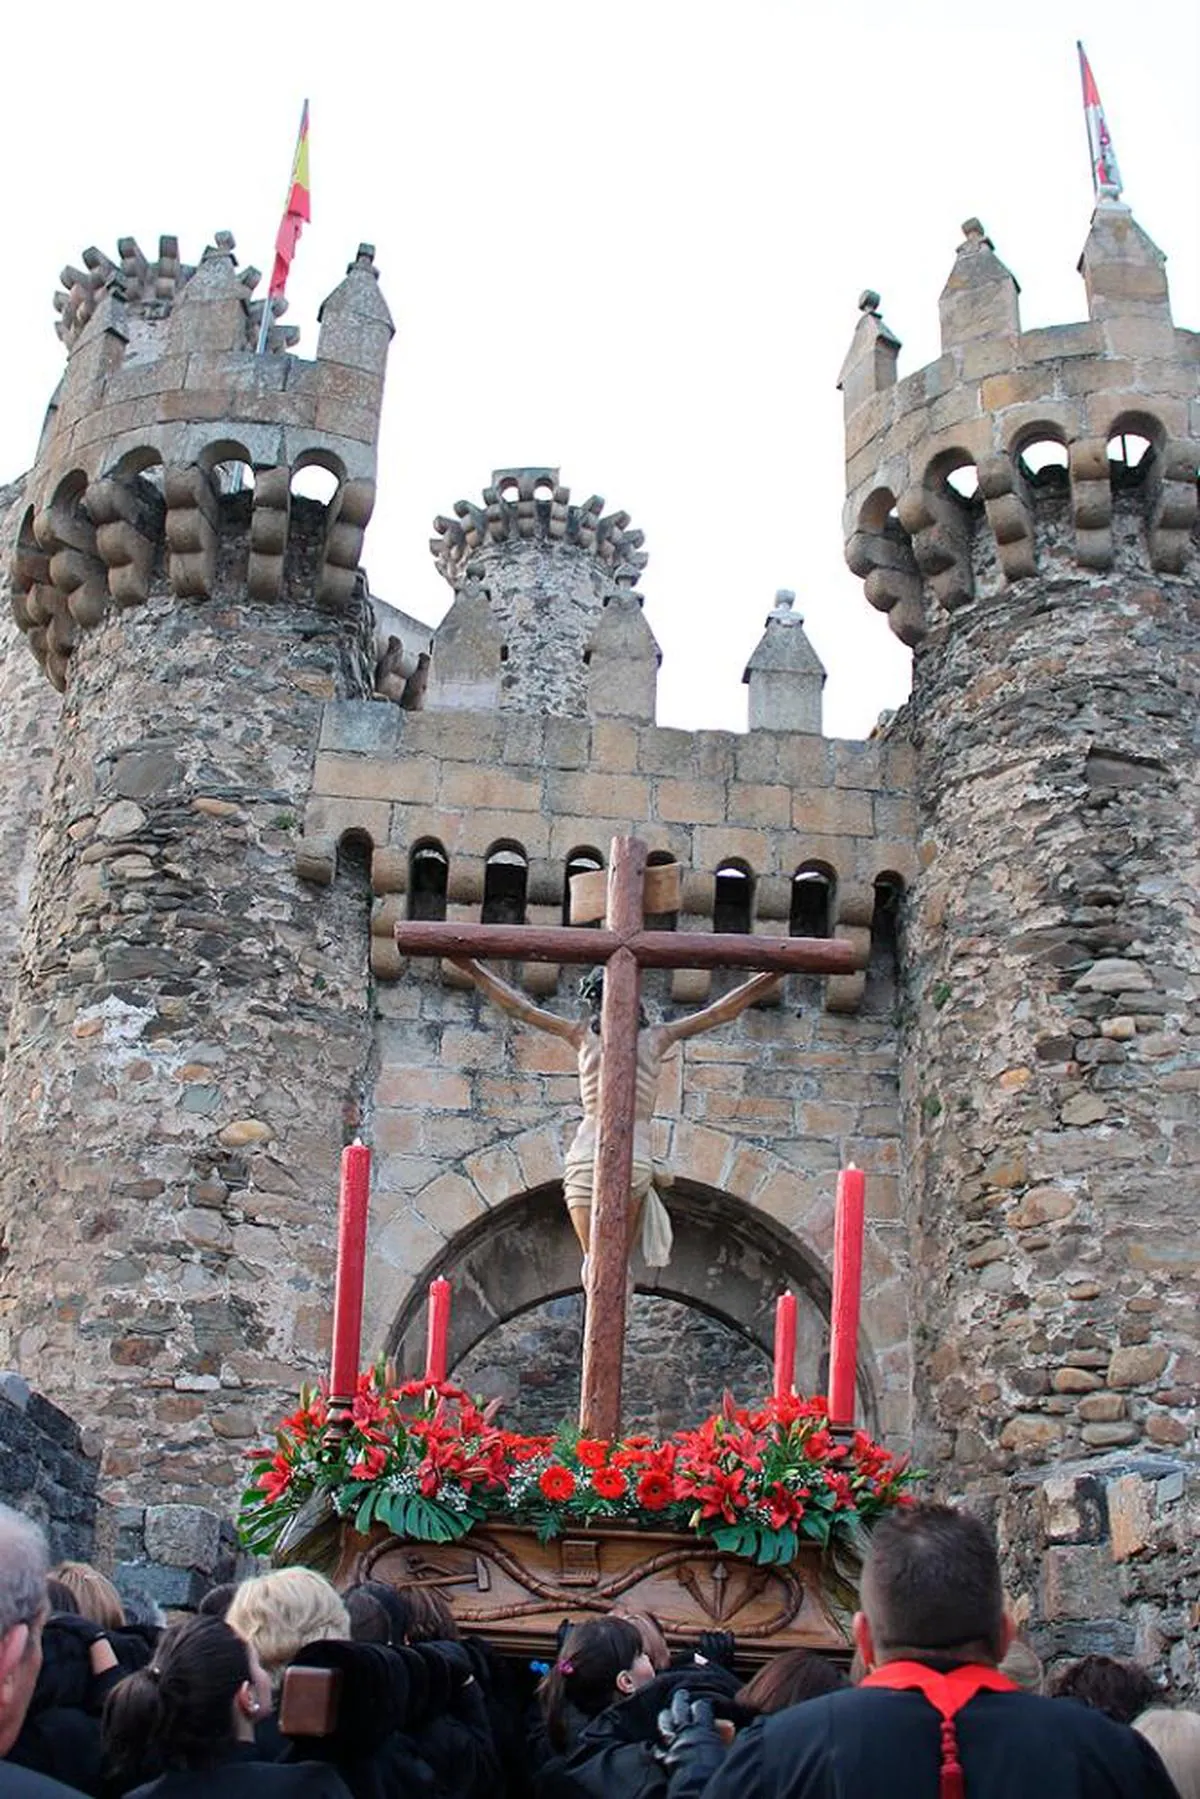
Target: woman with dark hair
[790,1679]
[603,1693]
[600,1662]
[183,1727]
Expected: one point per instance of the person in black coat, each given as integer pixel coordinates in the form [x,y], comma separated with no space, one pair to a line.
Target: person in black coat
[454,1731]
[933,1715]
[61,1732]
[618,1751]
[183,1727]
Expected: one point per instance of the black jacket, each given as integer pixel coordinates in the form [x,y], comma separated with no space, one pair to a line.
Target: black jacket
[24,1783]
[384,1694]
[617,1754]
[877,1743]
[241,1776]
[61,1733]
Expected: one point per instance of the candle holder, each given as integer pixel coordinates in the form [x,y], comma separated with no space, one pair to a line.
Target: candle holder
[338,1417]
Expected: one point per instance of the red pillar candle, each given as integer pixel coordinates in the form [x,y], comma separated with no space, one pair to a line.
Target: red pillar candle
[847,1294]
[785,1345]
[351,1270]
[437,1340]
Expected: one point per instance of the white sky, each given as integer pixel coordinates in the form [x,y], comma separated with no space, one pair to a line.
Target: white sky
[625,237]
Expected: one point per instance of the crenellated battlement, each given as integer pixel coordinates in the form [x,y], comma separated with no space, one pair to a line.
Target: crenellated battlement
[163,386]
[996,392]
[532,505]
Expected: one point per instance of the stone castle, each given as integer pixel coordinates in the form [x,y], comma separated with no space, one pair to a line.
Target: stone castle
[256,768]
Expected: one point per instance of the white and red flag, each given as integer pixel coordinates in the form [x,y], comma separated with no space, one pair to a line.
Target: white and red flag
[1106,176]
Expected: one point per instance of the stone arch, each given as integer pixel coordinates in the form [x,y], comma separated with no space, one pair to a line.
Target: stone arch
[730,1261]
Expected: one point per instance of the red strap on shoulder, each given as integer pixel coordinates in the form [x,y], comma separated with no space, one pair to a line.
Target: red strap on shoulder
[947,1693]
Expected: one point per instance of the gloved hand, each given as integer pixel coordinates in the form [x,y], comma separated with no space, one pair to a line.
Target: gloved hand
[686,1729]
[718,1647]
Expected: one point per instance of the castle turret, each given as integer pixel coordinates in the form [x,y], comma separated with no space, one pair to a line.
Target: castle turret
[548,566]
[190,1029]
[785,675]
[1024,511]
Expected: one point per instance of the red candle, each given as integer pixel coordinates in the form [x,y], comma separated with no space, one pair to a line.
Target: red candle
[847,1294]
[785,1345]
[438,1337]
[351,1269]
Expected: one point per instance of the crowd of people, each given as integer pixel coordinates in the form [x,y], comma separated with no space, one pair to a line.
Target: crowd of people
[283,1688]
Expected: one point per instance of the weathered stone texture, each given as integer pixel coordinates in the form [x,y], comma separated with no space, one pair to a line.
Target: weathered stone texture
[48,1469]
[678,1365]
[29,712]
[189,1034]
[1050,1061]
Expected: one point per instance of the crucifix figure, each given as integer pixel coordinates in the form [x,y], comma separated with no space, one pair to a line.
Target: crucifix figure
[624,947]
[654,1044]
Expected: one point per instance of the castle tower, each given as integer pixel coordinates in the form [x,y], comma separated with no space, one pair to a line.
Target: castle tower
[1024,511]
[190,1028]
[546,569]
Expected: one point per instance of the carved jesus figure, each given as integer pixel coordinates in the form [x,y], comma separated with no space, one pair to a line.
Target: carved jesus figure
[654,1044]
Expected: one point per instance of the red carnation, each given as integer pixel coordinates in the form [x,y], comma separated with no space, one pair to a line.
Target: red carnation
[591,1452]
[655,1490]
[557,1483]
[609,1483]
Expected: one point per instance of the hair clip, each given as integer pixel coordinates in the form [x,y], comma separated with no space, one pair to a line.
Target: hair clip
[541,1669]
[566,1666]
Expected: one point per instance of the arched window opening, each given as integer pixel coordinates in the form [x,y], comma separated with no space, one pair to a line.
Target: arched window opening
[354,852]
[232,476]
[964,481]
[885,919]
[505,878]
[661,921]
[582,861]
[1043,461]
[314,483]
[734,902]
[1129,448]
[428,873]
[811,912]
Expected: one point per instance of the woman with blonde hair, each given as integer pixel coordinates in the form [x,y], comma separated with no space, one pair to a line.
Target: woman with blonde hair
[95,1596]
[1176,1736]
[278,1613]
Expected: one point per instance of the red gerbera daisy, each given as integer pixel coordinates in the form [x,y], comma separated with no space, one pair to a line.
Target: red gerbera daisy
[591,1452]
[609,1483]
[557,1483]
[655,1490]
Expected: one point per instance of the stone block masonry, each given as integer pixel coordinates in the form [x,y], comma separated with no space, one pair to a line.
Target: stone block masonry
[1050,1054]
[48,1469]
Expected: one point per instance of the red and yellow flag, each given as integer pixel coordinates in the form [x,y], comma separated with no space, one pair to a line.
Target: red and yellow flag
[295,214]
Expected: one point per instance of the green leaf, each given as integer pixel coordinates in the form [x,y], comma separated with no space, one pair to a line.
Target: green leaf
[367,1511]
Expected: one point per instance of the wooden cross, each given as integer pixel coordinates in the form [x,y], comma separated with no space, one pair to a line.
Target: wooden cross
[624,947]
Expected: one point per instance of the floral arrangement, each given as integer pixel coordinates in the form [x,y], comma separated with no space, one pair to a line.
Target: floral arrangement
[428,1463]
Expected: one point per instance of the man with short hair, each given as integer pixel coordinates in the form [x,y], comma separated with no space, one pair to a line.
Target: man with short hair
[933,1718]
[23,1611]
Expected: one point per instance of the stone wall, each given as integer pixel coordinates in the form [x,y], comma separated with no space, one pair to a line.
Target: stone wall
[469,1114]
[678,1364]
[29,710]
[48,1469]
[1051,1039]
[190,1037]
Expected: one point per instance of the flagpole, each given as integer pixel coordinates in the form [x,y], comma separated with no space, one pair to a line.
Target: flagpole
[264,329]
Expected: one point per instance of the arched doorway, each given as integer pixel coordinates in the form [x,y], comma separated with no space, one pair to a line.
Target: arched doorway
[510,1269]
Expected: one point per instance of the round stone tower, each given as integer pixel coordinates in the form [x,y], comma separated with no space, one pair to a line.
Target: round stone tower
[1024,511]
[547,569]
[190,1028]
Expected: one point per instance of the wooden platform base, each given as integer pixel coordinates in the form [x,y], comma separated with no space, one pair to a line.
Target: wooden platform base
[505,1585]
